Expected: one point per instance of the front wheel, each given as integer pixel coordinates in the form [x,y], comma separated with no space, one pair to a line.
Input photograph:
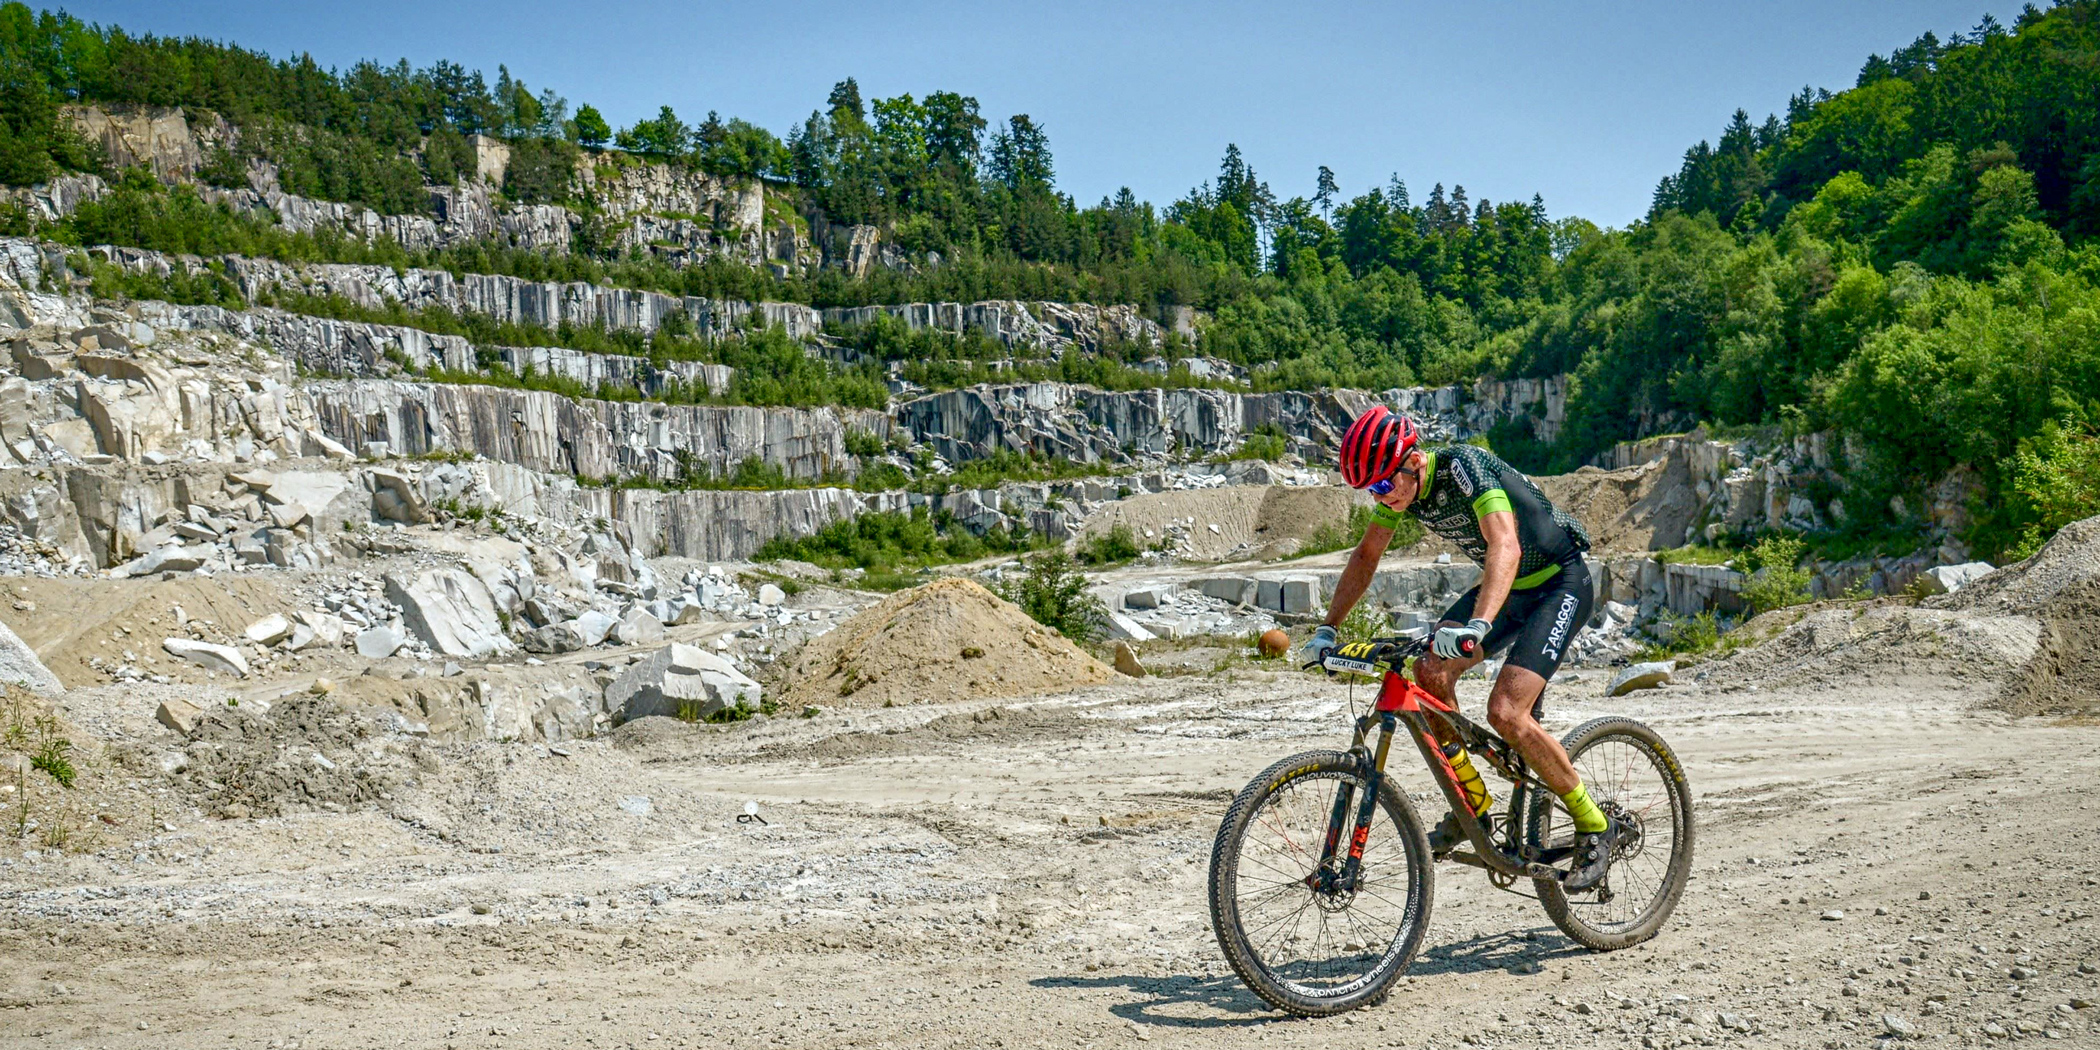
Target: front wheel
[1302,936]
[1633,774]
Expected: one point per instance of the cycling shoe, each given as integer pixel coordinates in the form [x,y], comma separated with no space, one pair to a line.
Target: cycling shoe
[1592,857]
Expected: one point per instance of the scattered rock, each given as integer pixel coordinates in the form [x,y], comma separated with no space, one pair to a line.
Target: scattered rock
[638,627]
[1898,1026]
[592,627]
[378,643]
[208,655]
[1143,598]
[1946,579]
[1639,676]
[1127,661]
[1123,628]
[770,595]
[553,638]
[179,715]
[1833,915]
[269,630]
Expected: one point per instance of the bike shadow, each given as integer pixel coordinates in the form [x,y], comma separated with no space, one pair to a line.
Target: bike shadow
[1517,952]
[1221,1001]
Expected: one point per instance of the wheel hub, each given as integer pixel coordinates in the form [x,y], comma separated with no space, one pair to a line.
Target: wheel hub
[1633,833]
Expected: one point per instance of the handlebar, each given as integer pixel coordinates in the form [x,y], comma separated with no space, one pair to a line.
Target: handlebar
[1365,658]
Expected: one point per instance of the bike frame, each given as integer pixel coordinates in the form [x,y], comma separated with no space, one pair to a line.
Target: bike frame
[1402,701]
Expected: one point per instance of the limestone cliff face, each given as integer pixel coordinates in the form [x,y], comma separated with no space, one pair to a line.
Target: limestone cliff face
[1037,326]
[1092,426]
[595,439]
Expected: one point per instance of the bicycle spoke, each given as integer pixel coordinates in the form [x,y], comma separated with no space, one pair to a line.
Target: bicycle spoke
[1309,938]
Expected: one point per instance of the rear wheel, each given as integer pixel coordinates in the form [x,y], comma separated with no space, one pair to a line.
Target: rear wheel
[1300,937]
[1632,774]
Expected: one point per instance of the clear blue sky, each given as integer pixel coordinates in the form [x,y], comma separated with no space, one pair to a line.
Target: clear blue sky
[1586,104]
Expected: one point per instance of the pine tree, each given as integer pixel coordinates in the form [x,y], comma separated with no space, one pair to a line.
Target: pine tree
[1324,189]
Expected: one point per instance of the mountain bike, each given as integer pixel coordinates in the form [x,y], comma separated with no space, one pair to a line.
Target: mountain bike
[1320,906]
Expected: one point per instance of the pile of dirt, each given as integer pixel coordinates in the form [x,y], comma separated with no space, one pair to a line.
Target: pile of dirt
[949,640]
[2060,587]
[2021,637]
[1643,508]
[307,753]
[1234,523]
[73,622]
[2063,678]
[2071,557]
[1886,645]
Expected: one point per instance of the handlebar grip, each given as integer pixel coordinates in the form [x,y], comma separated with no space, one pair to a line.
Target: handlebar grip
[1468,647]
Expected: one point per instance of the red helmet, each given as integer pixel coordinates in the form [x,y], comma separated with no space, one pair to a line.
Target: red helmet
[1375,445]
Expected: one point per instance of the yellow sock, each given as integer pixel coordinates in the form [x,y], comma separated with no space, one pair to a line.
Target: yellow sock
[1587,816]
[1469,780]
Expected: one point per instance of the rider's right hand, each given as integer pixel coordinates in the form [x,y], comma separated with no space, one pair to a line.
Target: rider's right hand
[1318,646]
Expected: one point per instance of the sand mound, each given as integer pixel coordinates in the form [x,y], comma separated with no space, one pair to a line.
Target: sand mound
[2020,637]
[949,640]
[1648,507]
[308,752]
[2063,678]
[1884,645]
[2072,556]
[1251,521]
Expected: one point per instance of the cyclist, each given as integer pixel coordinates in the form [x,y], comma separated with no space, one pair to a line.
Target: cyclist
[1534,595]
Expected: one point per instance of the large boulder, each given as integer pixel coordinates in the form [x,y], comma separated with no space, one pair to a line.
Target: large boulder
[451,611]
[19,666]
[681,681]
[553,638]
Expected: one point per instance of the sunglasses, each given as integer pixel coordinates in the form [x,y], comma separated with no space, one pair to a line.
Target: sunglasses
[1384,486]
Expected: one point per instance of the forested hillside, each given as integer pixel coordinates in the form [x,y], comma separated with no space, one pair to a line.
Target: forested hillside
[1910,261]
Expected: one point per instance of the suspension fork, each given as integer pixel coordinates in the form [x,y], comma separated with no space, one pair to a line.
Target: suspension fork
[1367,806]
[1373,765]
[1343,794]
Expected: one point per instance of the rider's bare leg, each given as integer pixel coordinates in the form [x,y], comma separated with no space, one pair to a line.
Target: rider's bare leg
[1509,711]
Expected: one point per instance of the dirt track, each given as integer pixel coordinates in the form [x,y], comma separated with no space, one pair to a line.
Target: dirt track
[952,883]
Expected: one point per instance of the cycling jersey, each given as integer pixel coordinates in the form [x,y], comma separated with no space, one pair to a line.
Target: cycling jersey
[1465,483]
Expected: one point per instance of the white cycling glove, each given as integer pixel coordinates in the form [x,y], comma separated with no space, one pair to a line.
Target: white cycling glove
[1450,642]
[1319,645]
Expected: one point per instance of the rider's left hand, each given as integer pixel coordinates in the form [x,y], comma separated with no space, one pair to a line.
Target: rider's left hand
[1451,642]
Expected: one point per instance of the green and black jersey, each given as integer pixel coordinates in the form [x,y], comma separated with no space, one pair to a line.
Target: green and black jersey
[1463,484]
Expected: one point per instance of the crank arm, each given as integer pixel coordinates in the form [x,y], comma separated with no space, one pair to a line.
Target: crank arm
[1505,865]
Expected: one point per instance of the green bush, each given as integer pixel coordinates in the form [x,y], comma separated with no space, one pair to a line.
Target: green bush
[1113,547]
[1676,635]
[1053,592]
[1775,582]
[886,541]
[2055,480]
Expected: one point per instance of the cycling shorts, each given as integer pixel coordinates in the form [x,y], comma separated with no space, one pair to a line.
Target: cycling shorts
[1537,624]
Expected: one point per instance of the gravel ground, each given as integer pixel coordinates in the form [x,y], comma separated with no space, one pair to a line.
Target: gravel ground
[1031,876]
